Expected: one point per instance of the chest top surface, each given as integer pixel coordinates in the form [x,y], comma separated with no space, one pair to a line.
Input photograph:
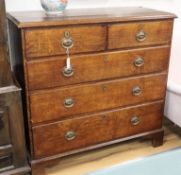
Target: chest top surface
[86,16]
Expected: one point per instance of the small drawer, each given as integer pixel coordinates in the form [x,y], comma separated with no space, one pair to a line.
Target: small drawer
[139,120]
[60,103]
[90,130]
[139,34]
[50,72]
[4,126]
[48,41]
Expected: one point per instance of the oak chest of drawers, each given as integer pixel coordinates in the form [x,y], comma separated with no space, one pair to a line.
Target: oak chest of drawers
[114,89]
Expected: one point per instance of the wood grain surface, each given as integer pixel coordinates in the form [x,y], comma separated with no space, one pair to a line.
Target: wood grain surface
[48,72]
[50,139]
[124,35]
[87,16]
[95,97]
[48,41]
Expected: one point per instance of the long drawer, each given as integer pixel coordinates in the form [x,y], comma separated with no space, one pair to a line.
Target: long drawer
[82,132]
[60,103]
[50,72]
[48,41]
[139,34]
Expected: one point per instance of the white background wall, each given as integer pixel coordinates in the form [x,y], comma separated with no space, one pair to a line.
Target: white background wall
[166,5]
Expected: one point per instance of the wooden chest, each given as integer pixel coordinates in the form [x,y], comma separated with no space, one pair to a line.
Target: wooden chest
[13,157]
[115,89]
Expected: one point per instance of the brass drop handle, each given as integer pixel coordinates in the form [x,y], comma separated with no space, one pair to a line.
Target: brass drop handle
[70,135]
[136,91]
[139,62]
[135,120]
[67,41]
[69,102]
[141,36]
[1,121]
[68,72]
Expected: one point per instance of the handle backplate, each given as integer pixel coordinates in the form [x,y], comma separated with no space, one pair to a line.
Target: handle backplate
[141,36]
[67,41]
[70,135]
[136,91]
[69,102]
[135,120]
[68,72]
[139,62]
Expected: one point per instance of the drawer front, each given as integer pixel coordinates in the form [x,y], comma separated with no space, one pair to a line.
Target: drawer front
[139,34]
[62,102]
[49,72]
[93,129]
[48,41]
[4,126]
[6,162]
[139,120]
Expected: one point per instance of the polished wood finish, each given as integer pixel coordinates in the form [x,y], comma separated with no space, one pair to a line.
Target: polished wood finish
[12,140]
[120,63]
[107,95]
[124,35]
[147,115]
[87,16]
[48,41]
[95,67]
[118,124]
